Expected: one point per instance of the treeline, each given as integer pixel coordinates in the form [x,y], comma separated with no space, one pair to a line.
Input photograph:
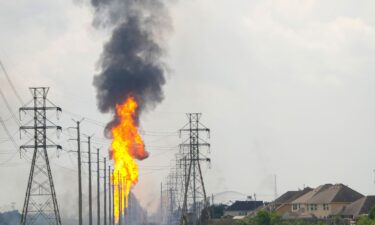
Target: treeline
[272,218]
[10,218]
[367,219]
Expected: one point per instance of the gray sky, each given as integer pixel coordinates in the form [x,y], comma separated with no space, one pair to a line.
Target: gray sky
[286,87]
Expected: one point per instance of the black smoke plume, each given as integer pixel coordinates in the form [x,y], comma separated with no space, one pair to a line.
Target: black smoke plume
[131,62]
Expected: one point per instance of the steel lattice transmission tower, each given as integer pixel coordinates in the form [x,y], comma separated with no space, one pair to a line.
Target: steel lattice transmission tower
[195,198]
[40,206]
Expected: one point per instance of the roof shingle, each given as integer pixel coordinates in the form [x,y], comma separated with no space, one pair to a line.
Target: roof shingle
[290,196]
[335,193]
[307,196]
[359,207]
[244,205]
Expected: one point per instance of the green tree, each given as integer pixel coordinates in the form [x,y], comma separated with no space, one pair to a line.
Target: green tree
[275,218]
[371,213]
[369,219]
[262,218]
[364,220]
[217,211]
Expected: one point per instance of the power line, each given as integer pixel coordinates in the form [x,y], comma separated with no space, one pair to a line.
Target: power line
[143,132]
[7,119]
[11,83]
[9,134]
[9,159]
[9,108]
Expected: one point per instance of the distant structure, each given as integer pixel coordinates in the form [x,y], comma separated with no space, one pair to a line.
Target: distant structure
[134,214]
[40,206]
[10,217]
[275,186]
[321,202]
[242,208]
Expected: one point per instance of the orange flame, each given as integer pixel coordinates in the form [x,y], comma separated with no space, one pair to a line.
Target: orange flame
[127,145]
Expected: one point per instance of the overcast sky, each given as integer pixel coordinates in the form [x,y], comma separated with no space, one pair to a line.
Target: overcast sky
[286,87]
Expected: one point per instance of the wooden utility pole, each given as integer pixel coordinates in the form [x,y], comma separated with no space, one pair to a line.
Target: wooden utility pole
[113,201]
[119,197]
[79,175]
[105,191]
[161,202]
[109,196]
[98,185]
[90,193]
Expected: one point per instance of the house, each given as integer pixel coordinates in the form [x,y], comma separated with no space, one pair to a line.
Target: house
[300,204]
[242,208]
[323,201]
[360,207]
[283,203]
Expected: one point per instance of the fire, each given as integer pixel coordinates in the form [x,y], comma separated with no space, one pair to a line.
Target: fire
[127,145]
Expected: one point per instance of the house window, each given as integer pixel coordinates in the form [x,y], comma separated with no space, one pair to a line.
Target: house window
[312,207]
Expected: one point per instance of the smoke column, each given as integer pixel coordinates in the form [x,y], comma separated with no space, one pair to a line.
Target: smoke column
[130,81]
[130,64]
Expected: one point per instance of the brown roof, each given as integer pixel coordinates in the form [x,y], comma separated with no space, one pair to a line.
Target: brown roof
[357,208]
[290,196]
[307,196]
[335,193]
[244,206]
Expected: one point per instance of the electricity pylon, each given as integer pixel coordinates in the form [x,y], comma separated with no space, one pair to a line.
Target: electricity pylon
[195,199]
[40,206]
